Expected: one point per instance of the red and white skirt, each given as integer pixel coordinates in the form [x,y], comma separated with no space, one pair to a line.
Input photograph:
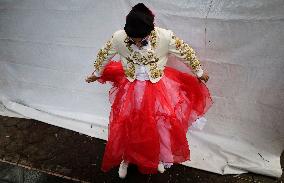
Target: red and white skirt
[149,121]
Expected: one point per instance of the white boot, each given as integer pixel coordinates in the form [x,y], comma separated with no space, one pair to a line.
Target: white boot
[123,169]
[161,167]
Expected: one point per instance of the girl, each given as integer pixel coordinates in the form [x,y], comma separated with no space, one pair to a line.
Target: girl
[152,105]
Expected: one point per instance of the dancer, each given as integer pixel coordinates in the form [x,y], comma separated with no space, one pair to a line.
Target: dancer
[152,105]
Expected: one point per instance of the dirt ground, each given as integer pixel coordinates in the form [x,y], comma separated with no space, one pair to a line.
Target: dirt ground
[66,156]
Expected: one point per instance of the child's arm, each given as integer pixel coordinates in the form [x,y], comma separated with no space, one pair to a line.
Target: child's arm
[105,54]
[184,51]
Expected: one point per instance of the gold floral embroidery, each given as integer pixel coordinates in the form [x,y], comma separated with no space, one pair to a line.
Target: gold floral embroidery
[148,59]
[102,55]
[128,44]
[136,56]
[130,71]
[153,38]
[187,52]
[139,59]
[155,73]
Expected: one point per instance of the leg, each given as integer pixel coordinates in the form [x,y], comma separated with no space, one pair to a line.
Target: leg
[165,145]
[122,172]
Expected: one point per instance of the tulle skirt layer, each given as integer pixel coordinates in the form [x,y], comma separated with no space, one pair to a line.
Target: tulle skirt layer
[149,121]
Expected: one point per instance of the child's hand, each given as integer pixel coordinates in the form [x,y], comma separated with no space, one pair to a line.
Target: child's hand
[204,77]
[91,78]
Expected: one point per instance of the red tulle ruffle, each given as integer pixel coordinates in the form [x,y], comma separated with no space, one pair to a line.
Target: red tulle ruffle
[149,121]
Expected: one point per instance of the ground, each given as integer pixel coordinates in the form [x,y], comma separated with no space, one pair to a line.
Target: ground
[30,148]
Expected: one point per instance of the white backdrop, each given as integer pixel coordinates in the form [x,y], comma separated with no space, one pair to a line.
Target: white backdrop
[47,48]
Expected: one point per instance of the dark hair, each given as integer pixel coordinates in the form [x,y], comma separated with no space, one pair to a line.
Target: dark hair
[139,21]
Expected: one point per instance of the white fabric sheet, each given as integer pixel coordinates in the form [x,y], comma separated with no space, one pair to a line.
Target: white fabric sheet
[47,49]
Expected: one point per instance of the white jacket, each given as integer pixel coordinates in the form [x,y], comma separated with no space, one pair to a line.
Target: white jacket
[162,41]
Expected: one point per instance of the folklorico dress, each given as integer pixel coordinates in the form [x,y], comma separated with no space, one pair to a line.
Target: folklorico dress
[152,105]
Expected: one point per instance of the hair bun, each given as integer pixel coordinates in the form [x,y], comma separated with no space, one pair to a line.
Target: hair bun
[139,21]
[142,8]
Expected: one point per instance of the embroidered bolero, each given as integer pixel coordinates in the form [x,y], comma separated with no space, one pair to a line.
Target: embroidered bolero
[163,42]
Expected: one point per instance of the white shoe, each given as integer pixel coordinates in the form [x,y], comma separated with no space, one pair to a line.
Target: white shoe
[123,169]
[161,167]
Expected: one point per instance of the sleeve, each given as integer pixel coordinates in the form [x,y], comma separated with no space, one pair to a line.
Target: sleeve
[105,54]
[182,50]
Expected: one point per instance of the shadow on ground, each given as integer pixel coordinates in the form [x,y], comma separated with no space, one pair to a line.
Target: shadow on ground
[32,151]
